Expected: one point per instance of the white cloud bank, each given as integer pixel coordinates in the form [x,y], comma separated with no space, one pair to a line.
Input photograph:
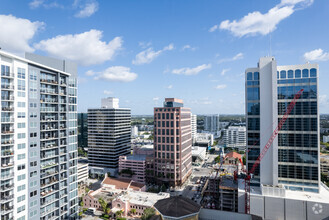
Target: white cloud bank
[148,55]
[256,23]
[88,10]
[191,71]
[16,33]
[114,74]
[85,48]
[316,55]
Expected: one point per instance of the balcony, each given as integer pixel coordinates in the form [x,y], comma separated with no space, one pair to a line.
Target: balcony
[49,81]
[7,75]
[6,176]
[49,138]
[6,210]
[6,198]
[44,156]
[7,98]
[7,87]
[7,153]
[48,191]
[48,101]
[7,120]
[7,109]
[7,142]
[47,174]
[48,91]
[6,187]
[11,131]
[48,165]
[7,165]
[48,147]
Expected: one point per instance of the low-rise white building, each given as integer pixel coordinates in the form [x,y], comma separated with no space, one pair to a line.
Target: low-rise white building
[134,131]
[198,153]
[203,139]
[235,137]
[325,139]
[82,170]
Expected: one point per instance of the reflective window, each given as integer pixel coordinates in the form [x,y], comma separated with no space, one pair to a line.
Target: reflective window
[297,74]
[253,108]
[290,74]
[256,75]
[249,76]
[305,73]
[253,93]
[313,72]
[277,75]
[283,74]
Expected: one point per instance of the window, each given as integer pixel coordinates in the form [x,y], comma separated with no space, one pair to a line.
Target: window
[21,94]
[21,114]
[33,203]
[297,74]
[21,125]
[21,156]
[33,174]
[21,146]
[33,124]
[33,163]
[33,144]
[34,193]
[33,183]
[21,85]
[20,73]
[33,154]
[33,115]
[21,135]
[249,76]
[21,104]
[282,74]
[20,198]
[33,75]
[33,105]
[20,188]
[256,75]
[305,73]
[290,74]
[21,218]
[21,209]
[21,177]
[34,134]
[313,72]
[21,167]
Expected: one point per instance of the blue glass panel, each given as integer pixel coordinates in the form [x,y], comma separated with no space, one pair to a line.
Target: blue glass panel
[256,75]
[298,80]
[283,74]
[253,108]
[306,80]
[290,74]
[249,76]
[298,74]
[313,72]
[313,92]
[313,80]
[277,75]
[305,73]
[253,93]
[290,81]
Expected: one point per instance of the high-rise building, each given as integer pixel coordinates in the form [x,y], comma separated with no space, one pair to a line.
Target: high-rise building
[83,130]
[38,138]
[172,143]
[235,136]
[211,123]
[193,125]
[293,158]
[109,134]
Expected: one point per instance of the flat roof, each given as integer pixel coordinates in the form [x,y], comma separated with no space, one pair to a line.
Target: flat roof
[136,157]
[142,198]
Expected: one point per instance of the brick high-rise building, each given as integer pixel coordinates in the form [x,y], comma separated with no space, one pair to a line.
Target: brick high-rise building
[172,143]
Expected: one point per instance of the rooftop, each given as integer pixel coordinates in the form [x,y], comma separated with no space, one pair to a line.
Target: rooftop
[140,157]
[122,183]
[142,198]
[233,154]
[177,206]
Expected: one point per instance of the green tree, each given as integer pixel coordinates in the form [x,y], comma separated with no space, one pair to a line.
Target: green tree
[148,213]
[217,159]
[119,213]
[103,204]
[81,203]
[244,160]
[133,211]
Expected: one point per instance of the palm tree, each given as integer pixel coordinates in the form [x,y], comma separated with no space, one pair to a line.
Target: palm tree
[119,213]
[103,204]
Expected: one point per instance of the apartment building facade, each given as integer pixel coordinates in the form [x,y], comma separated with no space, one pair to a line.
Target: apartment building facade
[38,138]
[172,143]
[109,134]
[293,159]
[211,123]
[235,137]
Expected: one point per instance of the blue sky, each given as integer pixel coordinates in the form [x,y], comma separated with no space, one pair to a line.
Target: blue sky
[144,51]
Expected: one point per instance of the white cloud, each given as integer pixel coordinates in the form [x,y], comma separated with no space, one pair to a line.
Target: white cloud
[144,44]
[316,55]
[169,87]
[213,28]
[202,101]
[107,92]
[85,48]
[16,33]
[221,86]
[239,56]
[88,10]
[156,99]
[224,71]
[148,55]
[191,71]
[35,3]
[257,23]
[114,74]
[188,47]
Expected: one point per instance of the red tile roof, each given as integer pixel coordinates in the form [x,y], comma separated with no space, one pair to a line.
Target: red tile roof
[233,154]
[122,183]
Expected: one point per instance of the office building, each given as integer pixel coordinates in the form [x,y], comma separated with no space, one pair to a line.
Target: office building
[83,130]
[133,167]
[325,139]
[193,126]
[134,131]
[83,170]
[293,159]
[109,134]
[211,123]
[38,138]
[172,143]
[235,137]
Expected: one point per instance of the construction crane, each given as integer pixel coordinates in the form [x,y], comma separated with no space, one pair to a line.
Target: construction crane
[267,146]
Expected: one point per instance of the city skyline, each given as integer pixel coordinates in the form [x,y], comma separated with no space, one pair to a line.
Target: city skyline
[170,47]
